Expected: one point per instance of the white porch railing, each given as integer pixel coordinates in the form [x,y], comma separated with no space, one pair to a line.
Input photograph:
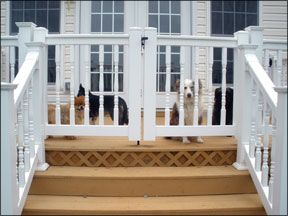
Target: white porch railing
[22,143]
[250,126]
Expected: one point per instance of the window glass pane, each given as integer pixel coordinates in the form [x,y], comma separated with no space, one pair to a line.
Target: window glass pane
[107,62]
[107,48]
[108,82]
[217,23]
[216,5]
[54,4]
[54,21]
[175,7]
[120,64]
[251,19]
[95,82]
[29,4]
[41,18]
[163,49]
[95,23]
[228,23]
[51,52]
[96,6]
[164,6]
[217,72]
[153,21]
[118,23]
[41,4]
[51,71]
[162,82]
[107,6]
[175,63]
[95,62]
[217,53]
[175,24]
[164,23]
[120,82]
[229,74]
[162,63]
[119,6]
[174,78]
[251,6]
[175,49]
[17,4]
[239,22]
[94,48]
[240,6]
[229,6]
[107,23]
[153,6]
[16,16]
[29,16]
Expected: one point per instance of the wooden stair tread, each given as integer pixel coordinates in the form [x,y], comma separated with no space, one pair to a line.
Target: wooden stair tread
[122,144]
[140,173]
[143,205]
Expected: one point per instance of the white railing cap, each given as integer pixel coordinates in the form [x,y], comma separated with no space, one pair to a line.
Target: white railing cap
[25,24]
[8,86]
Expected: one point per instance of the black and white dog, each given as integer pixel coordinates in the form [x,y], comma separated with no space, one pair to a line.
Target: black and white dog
[108,106]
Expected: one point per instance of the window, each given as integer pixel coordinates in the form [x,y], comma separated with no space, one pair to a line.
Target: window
[106,17]
[228,17]
[166,16]
[43,14]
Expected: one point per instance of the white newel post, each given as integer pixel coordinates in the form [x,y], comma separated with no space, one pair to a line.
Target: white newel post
[150,51]
[134,83]
[42,113]
[25,35]
[279,205]
[256,38]
[9,188]
[239,74]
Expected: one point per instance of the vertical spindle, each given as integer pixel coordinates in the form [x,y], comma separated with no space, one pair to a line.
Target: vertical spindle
[101,85]
[21,167]
[266,61]
[31,120]
[210,94]
[57,60]
[167,86]
[264,179]
[72,108]
[223,99]
[12,63]
[26,132]
[272,167]
[87,85]
[279,68]
[259,132]
[181,99]
[116,62]
[196,87]
[253,139]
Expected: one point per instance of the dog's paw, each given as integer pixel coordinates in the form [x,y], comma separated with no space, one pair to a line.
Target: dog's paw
[200,140]
[185,140]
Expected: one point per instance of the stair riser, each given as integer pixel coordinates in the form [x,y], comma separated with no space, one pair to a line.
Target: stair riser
[142,187]
[141,158]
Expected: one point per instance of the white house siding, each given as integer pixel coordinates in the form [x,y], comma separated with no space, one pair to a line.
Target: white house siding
[3,32]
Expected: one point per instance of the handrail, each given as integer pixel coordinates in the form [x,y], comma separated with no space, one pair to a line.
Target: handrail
[273,44]
[189,40]
[9,40]
[87,39]
[262,79]
[24,75]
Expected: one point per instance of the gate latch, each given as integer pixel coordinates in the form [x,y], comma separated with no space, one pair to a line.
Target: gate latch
[143,41]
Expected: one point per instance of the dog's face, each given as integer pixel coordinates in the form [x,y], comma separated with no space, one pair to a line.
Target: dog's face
[189,88]
[79,103]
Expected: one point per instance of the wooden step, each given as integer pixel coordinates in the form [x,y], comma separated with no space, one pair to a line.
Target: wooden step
[248,204]
[142,181]
[119,152]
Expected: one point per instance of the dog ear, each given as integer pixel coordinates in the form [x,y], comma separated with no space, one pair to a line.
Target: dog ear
[177,85]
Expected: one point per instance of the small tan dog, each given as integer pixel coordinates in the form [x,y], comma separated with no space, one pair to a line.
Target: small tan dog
[189,96]
[65,113]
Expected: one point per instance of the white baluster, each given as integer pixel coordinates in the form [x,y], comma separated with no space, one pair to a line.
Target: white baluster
[210,94]
[266,61]
[12,63]
[181,99]
[31,121]
[196,87]
[26,133]
[57,60]
[167,86]
[116,62]
[272,167]
[279,69]
[21,167]
[264,179]
[259,133]
[253,138]
[101,85]
[72,108]
[223,99]
[87,86]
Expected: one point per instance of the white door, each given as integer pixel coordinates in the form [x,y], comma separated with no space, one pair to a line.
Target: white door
[169,17]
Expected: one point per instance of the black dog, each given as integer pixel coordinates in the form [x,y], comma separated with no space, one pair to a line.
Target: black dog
[228,106]
[108,106]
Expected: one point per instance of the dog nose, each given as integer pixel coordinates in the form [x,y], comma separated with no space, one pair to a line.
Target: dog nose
[189,95]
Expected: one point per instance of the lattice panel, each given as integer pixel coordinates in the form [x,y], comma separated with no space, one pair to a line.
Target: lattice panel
[141,159]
